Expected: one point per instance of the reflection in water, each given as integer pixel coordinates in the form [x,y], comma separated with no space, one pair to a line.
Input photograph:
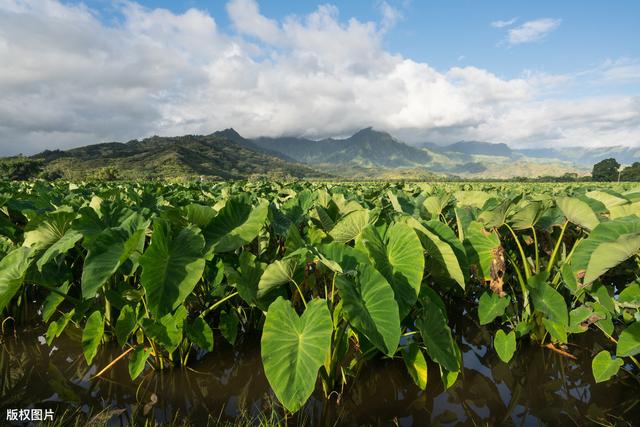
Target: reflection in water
[538,387]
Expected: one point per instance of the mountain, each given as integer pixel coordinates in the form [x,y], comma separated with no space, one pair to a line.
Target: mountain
[581,156]
[586,156]
[224,155]
[367,148]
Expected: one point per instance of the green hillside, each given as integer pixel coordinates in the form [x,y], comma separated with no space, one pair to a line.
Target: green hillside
[215,157]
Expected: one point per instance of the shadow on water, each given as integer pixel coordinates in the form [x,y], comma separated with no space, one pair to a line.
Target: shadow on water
[538,387]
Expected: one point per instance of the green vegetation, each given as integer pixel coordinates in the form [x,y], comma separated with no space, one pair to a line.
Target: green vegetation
[330,275]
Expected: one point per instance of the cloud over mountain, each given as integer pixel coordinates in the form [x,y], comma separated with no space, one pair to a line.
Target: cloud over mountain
[71,77]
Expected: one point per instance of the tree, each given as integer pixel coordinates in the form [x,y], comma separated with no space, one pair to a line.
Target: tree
[19,168]
[606,170]
[631,173]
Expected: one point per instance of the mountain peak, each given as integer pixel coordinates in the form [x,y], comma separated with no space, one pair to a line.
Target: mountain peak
[229,133]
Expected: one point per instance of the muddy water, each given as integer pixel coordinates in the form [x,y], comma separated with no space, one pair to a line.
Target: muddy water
[538,387]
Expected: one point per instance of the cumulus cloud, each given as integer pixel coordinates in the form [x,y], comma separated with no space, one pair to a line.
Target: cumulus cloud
[69,78]
[502,24]
[532,31]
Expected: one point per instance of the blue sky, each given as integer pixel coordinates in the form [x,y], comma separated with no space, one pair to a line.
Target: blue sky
[529,74]
[453,33]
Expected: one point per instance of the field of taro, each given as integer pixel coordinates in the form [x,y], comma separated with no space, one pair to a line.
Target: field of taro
[329,276]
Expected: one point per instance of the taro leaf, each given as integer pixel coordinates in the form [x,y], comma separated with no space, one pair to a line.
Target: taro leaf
[61,246]
[13,269]
[246,277]
[625,210]
[165,331]
[370,307]
[198,215]
[105,253]
[579,319]
[350,226]
[325,220]
[92,335]
[609,244]
[434,205]
[294,348]
[126,323]
[442,247]
[526,216]
[229,325]
[48,229]
[200,333]
[600,293]
[490,306]
[604,367]
[629,341]
[137,360]
[57,326]
[505,345]
[53,300]
[578,212]
[171,267]
[276,274]
[608,198]
[416,365]
[547,300]
[400,259]
[482,249]
[237,224]
[475,199]
[630,294]
[346,256]
[432,324]
[557,331]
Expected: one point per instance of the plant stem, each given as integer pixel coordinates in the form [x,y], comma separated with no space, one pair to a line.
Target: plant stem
[212,307]
[552,260]
[300,292]
[527,271]
[535,244]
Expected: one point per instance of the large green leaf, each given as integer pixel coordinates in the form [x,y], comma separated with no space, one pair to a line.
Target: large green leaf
[444,251]
[246,277]
[526,216]
[46,230]
[166,331]
[126,323]
[237,224]
[370,306]
[490,306]
[294,348]
[547,300]
[200,333]
[13,269]
[105,253]
[609,244]
[505,345]
[578,212]
[350,226]
[604,367]
[432,324]
[483,248]
[171,267]
[92,335]
[276,274]
[416,365]
[137,360]
[629,341]
[399,257]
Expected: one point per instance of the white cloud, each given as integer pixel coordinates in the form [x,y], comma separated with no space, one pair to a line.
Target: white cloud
[502,24]
[68,78]
[390,15]
[532,31]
